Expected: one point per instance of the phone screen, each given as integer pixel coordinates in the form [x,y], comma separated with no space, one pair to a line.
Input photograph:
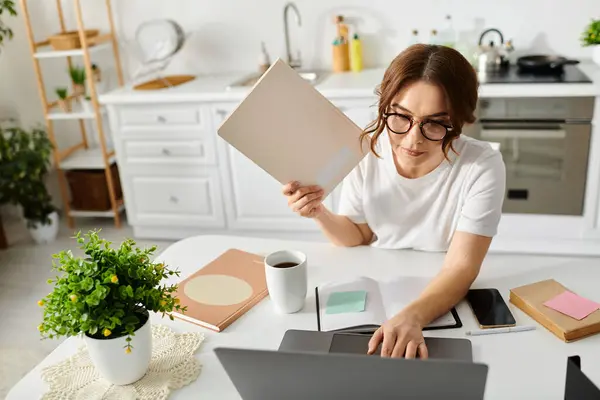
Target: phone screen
[489,308]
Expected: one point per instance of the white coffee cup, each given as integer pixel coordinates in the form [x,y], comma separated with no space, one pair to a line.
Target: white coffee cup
[287,286]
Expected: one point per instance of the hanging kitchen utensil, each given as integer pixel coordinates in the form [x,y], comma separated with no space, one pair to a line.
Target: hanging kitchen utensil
[544,63]
[158,41]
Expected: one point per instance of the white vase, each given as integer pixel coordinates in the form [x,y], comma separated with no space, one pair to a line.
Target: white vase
[43,234]
[117,366]
[596,54]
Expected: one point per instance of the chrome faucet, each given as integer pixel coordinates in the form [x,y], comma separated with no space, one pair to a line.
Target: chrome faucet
[290,59]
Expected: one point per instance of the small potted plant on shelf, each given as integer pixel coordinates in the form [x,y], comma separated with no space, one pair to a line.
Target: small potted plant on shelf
[63,99]
[591,37]
[78,79]
[106,296]
[24,165]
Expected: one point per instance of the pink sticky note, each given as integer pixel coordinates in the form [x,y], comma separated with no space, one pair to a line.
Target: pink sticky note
[572,305]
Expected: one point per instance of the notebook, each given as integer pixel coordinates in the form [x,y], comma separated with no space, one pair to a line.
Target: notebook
[223,290]
[530,299]
[293,132]
[383,300]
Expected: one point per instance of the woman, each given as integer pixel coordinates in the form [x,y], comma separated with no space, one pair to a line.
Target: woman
[422,186]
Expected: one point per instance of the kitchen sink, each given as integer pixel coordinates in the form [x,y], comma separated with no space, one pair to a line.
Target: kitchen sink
[312,77]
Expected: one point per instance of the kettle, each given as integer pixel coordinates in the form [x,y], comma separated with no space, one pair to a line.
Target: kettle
[491,57]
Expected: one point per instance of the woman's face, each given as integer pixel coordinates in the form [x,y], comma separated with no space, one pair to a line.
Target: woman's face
[422,101]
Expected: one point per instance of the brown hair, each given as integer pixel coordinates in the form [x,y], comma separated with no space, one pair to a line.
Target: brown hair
[440,65]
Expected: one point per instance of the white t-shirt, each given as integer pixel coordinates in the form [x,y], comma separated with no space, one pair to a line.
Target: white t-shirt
[465,194]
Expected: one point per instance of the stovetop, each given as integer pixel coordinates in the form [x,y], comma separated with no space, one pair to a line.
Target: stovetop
[570,74]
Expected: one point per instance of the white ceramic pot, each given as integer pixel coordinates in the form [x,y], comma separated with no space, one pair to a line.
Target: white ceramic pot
[596,54]
[42,234]
[117,366]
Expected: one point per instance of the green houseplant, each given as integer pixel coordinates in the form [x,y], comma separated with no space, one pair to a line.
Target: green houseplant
[24,165]
[78,78]
[591,37]
[63,99]
[106,296]
[6,7]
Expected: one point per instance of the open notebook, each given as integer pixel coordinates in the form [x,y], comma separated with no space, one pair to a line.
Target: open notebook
[383,301]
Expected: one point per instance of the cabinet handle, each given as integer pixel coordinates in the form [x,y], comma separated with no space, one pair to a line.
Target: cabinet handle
[166,152]
[222,113]
[173,199]
[161,119]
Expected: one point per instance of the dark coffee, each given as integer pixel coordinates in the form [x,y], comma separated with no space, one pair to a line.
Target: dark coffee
[286,264]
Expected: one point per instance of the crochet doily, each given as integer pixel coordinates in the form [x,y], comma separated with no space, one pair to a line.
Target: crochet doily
[173,366]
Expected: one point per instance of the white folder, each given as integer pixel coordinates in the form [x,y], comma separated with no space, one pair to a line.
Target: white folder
[293,132]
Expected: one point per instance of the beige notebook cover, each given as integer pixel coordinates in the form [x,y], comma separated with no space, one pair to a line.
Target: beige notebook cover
[223,290]
[530,299]
[293,132]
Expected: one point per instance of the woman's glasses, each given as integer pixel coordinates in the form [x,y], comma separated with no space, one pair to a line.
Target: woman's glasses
[431,130]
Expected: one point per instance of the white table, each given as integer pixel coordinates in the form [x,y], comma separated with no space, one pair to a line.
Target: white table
[525,365]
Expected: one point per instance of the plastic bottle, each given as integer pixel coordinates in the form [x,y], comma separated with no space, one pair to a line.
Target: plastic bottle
[414,37]
[356,57]
[433,38]
[447,36]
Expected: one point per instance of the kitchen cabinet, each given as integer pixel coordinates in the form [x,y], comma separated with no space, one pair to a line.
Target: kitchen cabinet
[180,178]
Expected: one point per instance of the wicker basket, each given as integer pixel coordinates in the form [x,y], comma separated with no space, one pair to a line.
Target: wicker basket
[70,40]
[89,190]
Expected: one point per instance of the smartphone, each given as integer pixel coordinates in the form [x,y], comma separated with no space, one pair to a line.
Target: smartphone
[489,308]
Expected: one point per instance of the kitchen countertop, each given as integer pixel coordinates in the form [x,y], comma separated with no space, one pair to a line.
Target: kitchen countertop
[213,88]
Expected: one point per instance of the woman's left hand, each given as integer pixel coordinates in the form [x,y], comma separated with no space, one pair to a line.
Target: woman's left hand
[402,336]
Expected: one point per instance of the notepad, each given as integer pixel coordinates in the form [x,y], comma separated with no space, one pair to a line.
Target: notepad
[380,301]
[572,305]
[346,302]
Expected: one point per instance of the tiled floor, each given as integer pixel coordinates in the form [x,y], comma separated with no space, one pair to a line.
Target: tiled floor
[24,270]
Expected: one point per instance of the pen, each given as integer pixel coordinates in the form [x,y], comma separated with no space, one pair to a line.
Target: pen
[501,330]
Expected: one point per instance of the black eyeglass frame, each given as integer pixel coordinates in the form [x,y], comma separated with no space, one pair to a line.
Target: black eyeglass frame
[421,124]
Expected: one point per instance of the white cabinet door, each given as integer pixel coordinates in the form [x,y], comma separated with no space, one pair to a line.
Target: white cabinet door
[253,198]
[177,201]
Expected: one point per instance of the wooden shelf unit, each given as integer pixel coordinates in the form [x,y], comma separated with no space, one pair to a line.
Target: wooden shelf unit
[80,155]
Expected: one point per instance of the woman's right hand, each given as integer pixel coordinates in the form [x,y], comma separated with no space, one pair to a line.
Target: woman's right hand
[304,200]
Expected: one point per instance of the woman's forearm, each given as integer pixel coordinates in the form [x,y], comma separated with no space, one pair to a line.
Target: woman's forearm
[461,267]
[339,229]
[442,293]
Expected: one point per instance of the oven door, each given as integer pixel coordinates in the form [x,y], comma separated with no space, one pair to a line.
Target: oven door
[546,164]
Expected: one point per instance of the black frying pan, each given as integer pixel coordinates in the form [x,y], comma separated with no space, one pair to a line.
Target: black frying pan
[544,63]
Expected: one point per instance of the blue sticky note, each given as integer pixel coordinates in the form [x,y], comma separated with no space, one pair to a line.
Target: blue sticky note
[346,302]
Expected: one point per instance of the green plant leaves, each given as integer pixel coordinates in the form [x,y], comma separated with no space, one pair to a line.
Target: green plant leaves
[105,289]
[24,165]
[591,35]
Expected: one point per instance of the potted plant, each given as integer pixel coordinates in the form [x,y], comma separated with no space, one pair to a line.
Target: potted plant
[106,297]
[5,31]
[24,165]
[78,79]
[591,37]
[63,100]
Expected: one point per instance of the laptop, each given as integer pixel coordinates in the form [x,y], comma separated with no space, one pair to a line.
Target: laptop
[268,374]
[330,342]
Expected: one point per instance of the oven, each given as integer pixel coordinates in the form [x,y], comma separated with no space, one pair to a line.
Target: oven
[545,145]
